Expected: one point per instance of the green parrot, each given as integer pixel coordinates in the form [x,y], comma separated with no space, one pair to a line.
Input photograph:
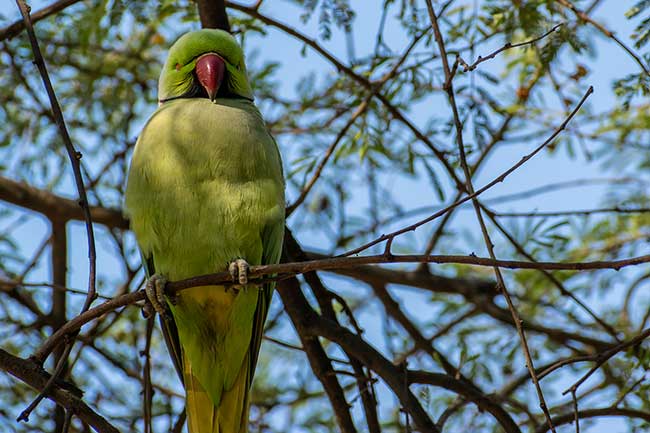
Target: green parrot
[205,193]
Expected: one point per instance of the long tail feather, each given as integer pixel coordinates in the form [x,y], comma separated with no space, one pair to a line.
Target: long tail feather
[229,416]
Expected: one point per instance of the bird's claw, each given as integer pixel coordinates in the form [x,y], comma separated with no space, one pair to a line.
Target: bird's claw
[155,291]
[238,269]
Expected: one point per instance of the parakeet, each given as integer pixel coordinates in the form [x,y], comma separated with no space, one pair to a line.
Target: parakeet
[205,194]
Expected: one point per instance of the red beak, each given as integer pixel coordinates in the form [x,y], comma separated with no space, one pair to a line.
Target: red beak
[210,70]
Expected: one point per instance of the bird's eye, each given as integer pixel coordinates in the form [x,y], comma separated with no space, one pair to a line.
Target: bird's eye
[178,66]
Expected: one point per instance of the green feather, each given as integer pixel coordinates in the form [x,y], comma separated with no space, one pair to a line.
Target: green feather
[206,187]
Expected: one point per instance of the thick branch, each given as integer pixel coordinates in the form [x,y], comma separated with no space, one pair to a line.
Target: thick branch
[312,324]
[56,207]
[34,376]
[324,298]
[481,400]
[213,14]
[322,367]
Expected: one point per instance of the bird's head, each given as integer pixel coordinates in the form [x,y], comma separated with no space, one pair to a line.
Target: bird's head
[204,64]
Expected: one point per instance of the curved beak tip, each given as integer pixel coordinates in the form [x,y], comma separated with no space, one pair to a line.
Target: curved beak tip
[210,70]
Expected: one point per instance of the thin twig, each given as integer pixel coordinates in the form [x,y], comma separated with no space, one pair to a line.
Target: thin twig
[73,154]
[439,333]
[74,157]
[620,399]
[602,358]
[18,26]
[576,416]
[558,186]
[8,285]
[328,153]
[506,46]
[583,16]
[582,212]
[24,415]
[598,412]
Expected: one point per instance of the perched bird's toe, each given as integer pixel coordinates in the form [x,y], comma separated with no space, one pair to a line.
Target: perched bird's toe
[155,291]
[234,271]
[242,265]
[238,270]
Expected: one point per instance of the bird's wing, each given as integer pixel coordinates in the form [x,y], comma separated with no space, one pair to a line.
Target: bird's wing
[272,238]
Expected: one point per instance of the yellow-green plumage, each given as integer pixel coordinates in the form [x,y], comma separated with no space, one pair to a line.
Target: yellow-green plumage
[205,187]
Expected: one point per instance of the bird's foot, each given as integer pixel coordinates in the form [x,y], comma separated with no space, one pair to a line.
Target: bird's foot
[238,269]
[155,291]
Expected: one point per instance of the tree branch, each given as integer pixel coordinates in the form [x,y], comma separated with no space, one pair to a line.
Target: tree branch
[586,18]
[506,46]
[594,413]
[34,376]
[18,26]
[321,365]
[474,395]
[56,207]
[292,269]
[213,14]
[73,154]
[312,324]
[325,298]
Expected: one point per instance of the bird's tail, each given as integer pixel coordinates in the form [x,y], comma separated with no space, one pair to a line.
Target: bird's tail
[229,416]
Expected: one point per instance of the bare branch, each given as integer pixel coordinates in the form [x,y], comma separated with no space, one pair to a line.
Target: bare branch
[56,207]
[481,400]
[595,413]
[578,212]
[602,358]
[585,17]
[507,46]
[73,154]
[14,29]
[291,269]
